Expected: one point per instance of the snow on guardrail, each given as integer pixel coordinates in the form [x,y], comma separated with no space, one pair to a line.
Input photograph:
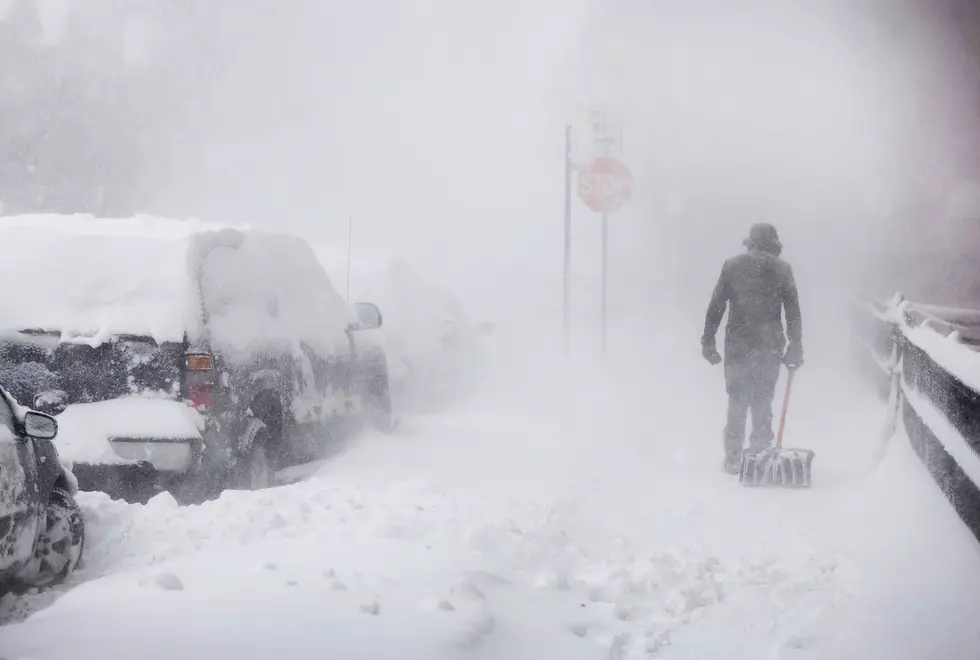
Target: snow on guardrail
[933,352]
[951,439]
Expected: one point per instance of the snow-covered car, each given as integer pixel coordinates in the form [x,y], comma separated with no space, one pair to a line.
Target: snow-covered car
[41,529]
[180,355]
[433,347]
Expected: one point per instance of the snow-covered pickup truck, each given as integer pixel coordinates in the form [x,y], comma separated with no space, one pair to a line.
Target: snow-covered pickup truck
[179,355]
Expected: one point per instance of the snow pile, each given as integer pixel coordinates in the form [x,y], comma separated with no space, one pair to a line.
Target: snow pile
[410,571]
[91,278]
[484,533]
[84,429]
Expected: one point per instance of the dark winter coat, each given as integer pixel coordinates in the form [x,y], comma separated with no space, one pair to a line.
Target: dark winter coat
[755,286]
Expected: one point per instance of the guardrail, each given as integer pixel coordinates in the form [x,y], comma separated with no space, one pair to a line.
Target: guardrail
[925,360]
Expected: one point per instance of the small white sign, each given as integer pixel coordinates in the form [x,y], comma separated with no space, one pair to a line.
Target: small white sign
[606,127]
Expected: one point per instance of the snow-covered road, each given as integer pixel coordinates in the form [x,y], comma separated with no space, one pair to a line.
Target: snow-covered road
[561,517]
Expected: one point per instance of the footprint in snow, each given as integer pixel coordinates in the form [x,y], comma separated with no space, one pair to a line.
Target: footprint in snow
[168,581]
[557,580]
[373,608]
[277,521]
[623,612]
[469,589]
[798,643]
[476,629]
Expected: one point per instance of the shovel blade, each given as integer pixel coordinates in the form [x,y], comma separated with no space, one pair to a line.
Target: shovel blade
[780,468]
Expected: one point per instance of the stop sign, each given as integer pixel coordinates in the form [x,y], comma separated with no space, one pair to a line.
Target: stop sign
[605,184]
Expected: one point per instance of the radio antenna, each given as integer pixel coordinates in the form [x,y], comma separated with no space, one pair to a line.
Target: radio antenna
[350,231]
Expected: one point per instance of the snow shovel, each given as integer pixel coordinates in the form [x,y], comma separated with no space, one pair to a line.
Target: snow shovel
[777,466]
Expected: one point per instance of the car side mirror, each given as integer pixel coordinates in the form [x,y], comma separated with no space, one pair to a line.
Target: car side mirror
[40,426]
[368,317]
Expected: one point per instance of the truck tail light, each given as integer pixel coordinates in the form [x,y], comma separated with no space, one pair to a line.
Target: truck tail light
[199,375]
[198,362]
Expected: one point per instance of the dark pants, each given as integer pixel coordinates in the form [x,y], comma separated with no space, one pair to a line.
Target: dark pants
[751,383]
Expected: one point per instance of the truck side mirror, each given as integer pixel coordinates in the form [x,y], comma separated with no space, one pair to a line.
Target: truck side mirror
[368,317]
[40,426]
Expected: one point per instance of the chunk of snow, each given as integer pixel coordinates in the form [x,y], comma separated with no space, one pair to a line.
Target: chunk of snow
[68,470]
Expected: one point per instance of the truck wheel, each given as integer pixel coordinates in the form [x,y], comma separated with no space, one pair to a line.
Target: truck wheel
[256,469]
[59,547]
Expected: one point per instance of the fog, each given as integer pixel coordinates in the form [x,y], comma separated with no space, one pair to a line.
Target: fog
[589,485]
[437,130]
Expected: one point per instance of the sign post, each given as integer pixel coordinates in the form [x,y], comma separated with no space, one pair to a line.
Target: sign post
[605,273]
[567,277]
[604,186]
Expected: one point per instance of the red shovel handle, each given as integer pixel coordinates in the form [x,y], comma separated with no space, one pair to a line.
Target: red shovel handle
[782,416]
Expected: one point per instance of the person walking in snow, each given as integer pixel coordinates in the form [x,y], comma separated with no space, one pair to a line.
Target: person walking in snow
[755,286]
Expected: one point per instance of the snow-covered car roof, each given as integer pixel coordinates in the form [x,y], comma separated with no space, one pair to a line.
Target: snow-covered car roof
[95,277]
[92,278]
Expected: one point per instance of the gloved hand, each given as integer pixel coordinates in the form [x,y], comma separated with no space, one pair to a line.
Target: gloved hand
[710,353]
[793,358]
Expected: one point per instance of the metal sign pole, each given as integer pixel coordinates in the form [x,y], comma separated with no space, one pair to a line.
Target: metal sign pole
[605,274]
[567,278]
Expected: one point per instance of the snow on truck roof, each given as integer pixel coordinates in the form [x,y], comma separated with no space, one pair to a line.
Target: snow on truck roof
[91,278]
